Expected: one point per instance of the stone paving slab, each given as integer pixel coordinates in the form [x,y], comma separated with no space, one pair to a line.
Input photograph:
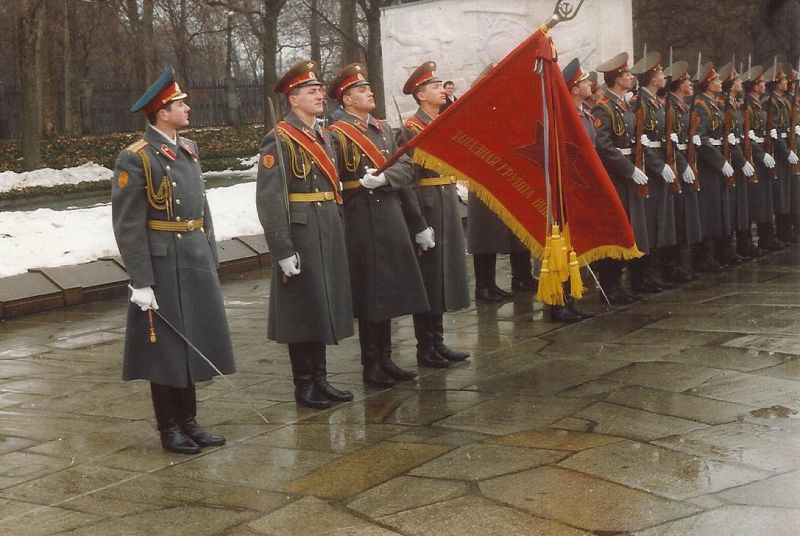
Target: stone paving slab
[673,416]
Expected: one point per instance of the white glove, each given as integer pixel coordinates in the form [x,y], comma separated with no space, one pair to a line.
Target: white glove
[668,174]
[769,162]
[688,175]
[773,134]
[645,140]
[752,135]
[370,181]
[674,138]
[696,140]
[290,265]
[793,158]
[748,169]
[424,239]
[639,176]
[797,130]
[144,298]
[727,170]
[732,139]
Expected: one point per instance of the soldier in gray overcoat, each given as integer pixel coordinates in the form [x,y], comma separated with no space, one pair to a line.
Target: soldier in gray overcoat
[443,267]
[793,99]
[732,137]
[687,210]
[381,214]
[615,128]
[760,155]
[659,205]
[713,169]
[310,304]
[778,124]
[162,224]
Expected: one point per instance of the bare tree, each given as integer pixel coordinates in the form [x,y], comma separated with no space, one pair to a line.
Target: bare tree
[27,16]
[72,112]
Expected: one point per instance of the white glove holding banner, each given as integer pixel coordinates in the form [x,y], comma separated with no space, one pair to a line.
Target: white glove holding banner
[688,175]
[696,140]
[144,298]
[792,158]
[425,239]
[645,140]
[748,169]
[370,181]
[668,174]
[769,162]
[290,265]
[773,134]
[732,139]
[752,135]
[674,138]
[639,176]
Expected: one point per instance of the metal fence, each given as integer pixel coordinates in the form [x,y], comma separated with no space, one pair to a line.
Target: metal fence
[106,108]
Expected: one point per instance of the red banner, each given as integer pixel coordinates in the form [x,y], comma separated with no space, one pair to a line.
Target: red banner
[510,130]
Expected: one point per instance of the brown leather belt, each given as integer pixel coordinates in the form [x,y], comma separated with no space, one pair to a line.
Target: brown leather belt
[437,181]
[311,197]
[175,226]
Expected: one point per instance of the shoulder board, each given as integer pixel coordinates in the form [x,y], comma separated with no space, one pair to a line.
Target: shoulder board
[136,146]
[602,100]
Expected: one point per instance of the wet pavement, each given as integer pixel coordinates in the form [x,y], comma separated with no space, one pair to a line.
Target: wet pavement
[677,416]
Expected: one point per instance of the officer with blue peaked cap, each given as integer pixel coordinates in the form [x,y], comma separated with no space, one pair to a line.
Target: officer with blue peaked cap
[163,228]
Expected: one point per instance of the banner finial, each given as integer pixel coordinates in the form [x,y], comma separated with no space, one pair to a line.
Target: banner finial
[565,10]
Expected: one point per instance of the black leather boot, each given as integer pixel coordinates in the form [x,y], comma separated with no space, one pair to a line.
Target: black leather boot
[320,376]
[704,258]
[485,287]
[766,238]
[726,252]
[372,372]
[166,405]
[641,279]
[745,246]
[671,269]
[423,330]
[384,350]
[783,227]
[189,424]
[438,341]
[305,392]
[521,276]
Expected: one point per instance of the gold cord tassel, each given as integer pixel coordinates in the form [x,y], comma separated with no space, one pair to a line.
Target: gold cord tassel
[575,281]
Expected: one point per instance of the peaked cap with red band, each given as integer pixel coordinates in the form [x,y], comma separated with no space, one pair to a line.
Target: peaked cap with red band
[618,64]
[651,62]
[424,74]
[707,73]
[573,74]
[163,91]
[301,74]
[353,75]
[678,71]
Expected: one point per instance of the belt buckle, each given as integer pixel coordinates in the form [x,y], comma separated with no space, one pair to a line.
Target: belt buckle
[190,225]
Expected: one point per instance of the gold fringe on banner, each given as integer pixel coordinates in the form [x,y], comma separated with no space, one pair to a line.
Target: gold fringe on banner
[559,261]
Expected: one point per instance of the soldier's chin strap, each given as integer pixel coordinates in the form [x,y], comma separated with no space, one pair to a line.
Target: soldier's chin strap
[207,360]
